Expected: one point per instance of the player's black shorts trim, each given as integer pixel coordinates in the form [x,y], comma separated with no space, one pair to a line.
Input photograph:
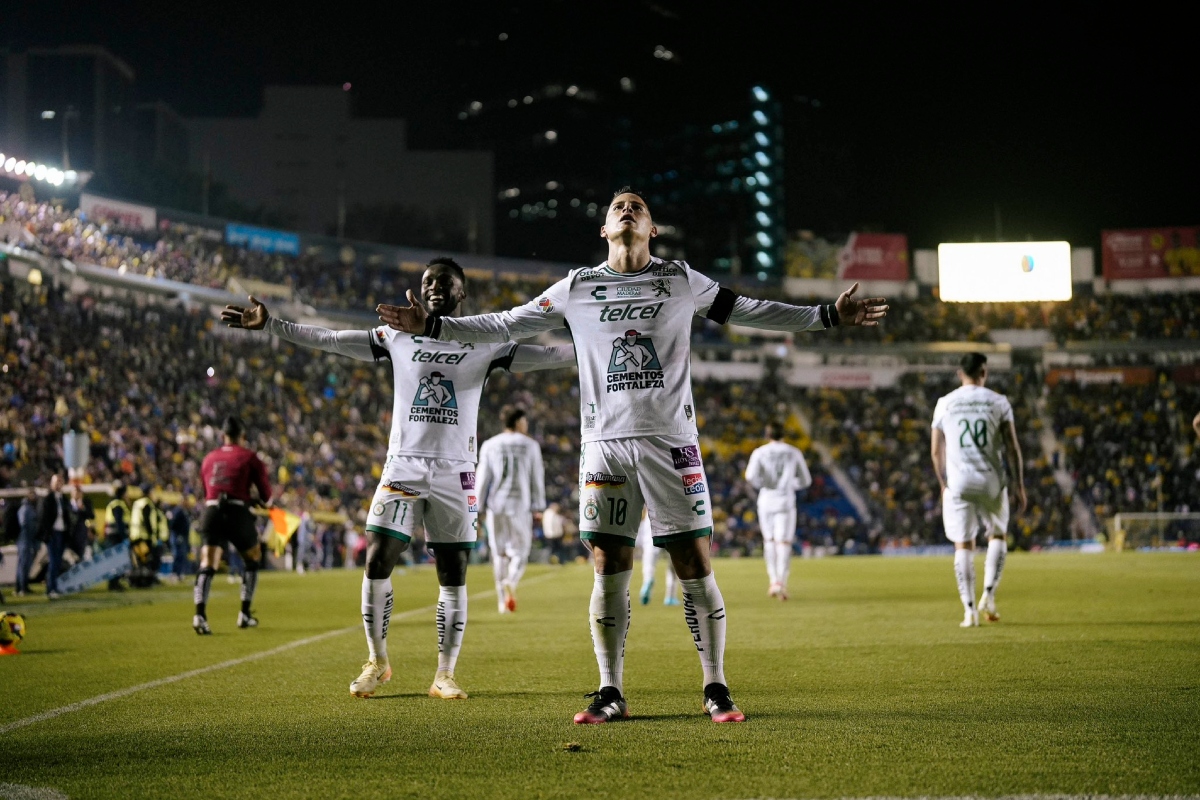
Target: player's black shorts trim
[229,524]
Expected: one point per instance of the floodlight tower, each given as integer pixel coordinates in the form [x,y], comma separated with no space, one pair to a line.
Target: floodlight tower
[765,182]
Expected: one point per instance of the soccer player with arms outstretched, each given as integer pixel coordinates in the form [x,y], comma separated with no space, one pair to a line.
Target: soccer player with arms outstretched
[972,428]
[778,470]
[429,477]
[631,318]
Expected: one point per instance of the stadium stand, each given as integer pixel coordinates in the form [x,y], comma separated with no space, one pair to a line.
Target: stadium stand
[136,377]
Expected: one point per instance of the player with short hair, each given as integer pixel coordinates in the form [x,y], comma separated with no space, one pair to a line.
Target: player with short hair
[973,430]
[229,473]
[778,470]
[640,444]
[429,476]
[512,485]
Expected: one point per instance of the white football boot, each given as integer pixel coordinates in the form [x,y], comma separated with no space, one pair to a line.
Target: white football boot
[970,619]
[445,687]
[987,607]
[373,676]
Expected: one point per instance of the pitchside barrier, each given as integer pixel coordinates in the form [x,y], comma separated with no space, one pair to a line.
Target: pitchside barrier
[1155,531]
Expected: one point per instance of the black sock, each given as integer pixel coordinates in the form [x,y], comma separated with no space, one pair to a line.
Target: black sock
[204,580]
[249,584]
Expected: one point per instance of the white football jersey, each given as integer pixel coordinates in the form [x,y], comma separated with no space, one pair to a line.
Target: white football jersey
[971,417]
[632,335]
[438,385]
[511,478]
[778,470]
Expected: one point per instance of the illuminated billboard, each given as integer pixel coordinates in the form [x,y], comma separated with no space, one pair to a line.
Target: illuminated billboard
[1004,272]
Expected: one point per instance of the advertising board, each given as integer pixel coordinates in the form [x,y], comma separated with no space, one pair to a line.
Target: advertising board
[1010,272]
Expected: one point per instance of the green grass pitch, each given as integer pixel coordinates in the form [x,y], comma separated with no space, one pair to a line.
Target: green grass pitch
[861,685]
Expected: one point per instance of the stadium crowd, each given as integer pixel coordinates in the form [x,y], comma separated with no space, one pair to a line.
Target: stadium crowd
[186,254]
[150,384]
[883,437]
[1130,448]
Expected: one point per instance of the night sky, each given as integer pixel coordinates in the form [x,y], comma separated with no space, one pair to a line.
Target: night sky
[1066,118]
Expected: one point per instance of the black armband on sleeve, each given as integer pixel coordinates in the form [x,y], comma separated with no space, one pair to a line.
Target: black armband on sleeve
[503,362]
[829,316]
[433,327]
[380,353]
[722,306]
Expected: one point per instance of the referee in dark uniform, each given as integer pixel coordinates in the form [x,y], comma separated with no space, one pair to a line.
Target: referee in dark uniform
[229,472]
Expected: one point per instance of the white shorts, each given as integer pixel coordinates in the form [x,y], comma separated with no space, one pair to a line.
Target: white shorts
[663,473]
[434,493]
[778,525]
[964,518]
[509,534]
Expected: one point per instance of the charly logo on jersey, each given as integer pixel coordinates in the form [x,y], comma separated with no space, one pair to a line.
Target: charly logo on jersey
[684,457]
[601,480]
[591,509]
[599,293]
[396,487]
[693,483]
[634,364]
[435,401]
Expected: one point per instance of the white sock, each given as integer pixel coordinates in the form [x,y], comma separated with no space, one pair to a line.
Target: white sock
[609,616]
[964,573]
[451,622]
[516,569]
[672,583]
[704,612]
[769,557]
[993,566]
[783,562]
[500,572]
[376,614]
[648,559]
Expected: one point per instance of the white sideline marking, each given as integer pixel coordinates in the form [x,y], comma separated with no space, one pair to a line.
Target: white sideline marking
[233,662]
[1029,797]
[17,791]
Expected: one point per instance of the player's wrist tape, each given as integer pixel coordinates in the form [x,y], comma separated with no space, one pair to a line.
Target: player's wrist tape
[433,327]
[829,316]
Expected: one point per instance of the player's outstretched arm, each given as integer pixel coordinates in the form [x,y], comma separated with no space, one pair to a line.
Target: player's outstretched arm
[543,313]
[1016,462]
[532,357]
[773,315]
[255,317]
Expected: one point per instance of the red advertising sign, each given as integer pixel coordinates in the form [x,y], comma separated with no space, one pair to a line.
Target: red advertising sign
[1126,376]
[874,257]
[1150,253]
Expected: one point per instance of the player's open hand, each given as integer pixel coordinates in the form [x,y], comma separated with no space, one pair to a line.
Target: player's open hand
[1022,500]
[251,318]
[410,319]
[860,311]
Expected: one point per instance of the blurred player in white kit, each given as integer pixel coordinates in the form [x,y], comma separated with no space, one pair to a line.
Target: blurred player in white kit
[645,542]
[512,485]
[778,470]
[972,428]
